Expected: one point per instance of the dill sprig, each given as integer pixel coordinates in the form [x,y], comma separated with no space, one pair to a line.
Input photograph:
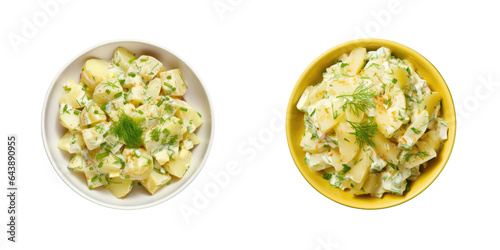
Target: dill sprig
[421,154]
[364,132]
[127,130]
[359,100]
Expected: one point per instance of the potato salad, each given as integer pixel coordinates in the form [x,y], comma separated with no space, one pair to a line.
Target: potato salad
[128,123]
[372,124]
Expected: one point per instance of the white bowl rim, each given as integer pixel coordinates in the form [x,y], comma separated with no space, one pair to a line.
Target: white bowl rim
[146,205]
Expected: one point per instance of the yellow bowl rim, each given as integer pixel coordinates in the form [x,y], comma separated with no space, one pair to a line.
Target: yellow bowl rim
[291,106]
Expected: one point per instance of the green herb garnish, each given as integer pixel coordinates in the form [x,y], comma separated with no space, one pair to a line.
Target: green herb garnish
[127,130]
[65,109]
[131,60]
[312,113]
[416,131]
[100,156]
[421,154]
[364,132]
[345,169]
[359,100]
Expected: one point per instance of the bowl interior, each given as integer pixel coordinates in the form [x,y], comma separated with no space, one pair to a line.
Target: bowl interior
[295,128]
[52,130]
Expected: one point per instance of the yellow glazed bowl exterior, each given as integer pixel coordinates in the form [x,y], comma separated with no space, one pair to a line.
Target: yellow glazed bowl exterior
[295,124]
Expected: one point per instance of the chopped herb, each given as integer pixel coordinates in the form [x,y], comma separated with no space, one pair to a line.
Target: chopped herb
[327,176]
[421,154]
[100,156]
[169,108]
[155,134]
[172,140]
[343,65]
[312,113]
[132,74]
[118,94]
[345,170]
[357,161]
[131,60]
[65,109]
[416,131]
[108,91]
[170,86]
[393,166]
[184,109]
[388,101]
[119,161]
[394,80]
[100,164]
[151,72]
[111,84]
[375,65]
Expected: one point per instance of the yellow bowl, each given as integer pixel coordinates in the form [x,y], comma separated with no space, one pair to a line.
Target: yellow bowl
[295,124]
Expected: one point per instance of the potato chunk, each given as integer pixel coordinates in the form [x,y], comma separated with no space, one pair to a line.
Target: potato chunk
[123,58]
[120,187]
[155,181]
[347,141]
[327,114]
[172,82]
[179,165]
[96,70]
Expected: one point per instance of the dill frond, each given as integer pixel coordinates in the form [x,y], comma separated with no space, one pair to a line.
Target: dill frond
[359,100]
[364,132]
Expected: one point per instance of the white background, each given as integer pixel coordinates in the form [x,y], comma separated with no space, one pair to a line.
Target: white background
[250,57]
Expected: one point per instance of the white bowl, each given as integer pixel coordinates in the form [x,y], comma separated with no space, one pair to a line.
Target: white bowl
[52,130]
